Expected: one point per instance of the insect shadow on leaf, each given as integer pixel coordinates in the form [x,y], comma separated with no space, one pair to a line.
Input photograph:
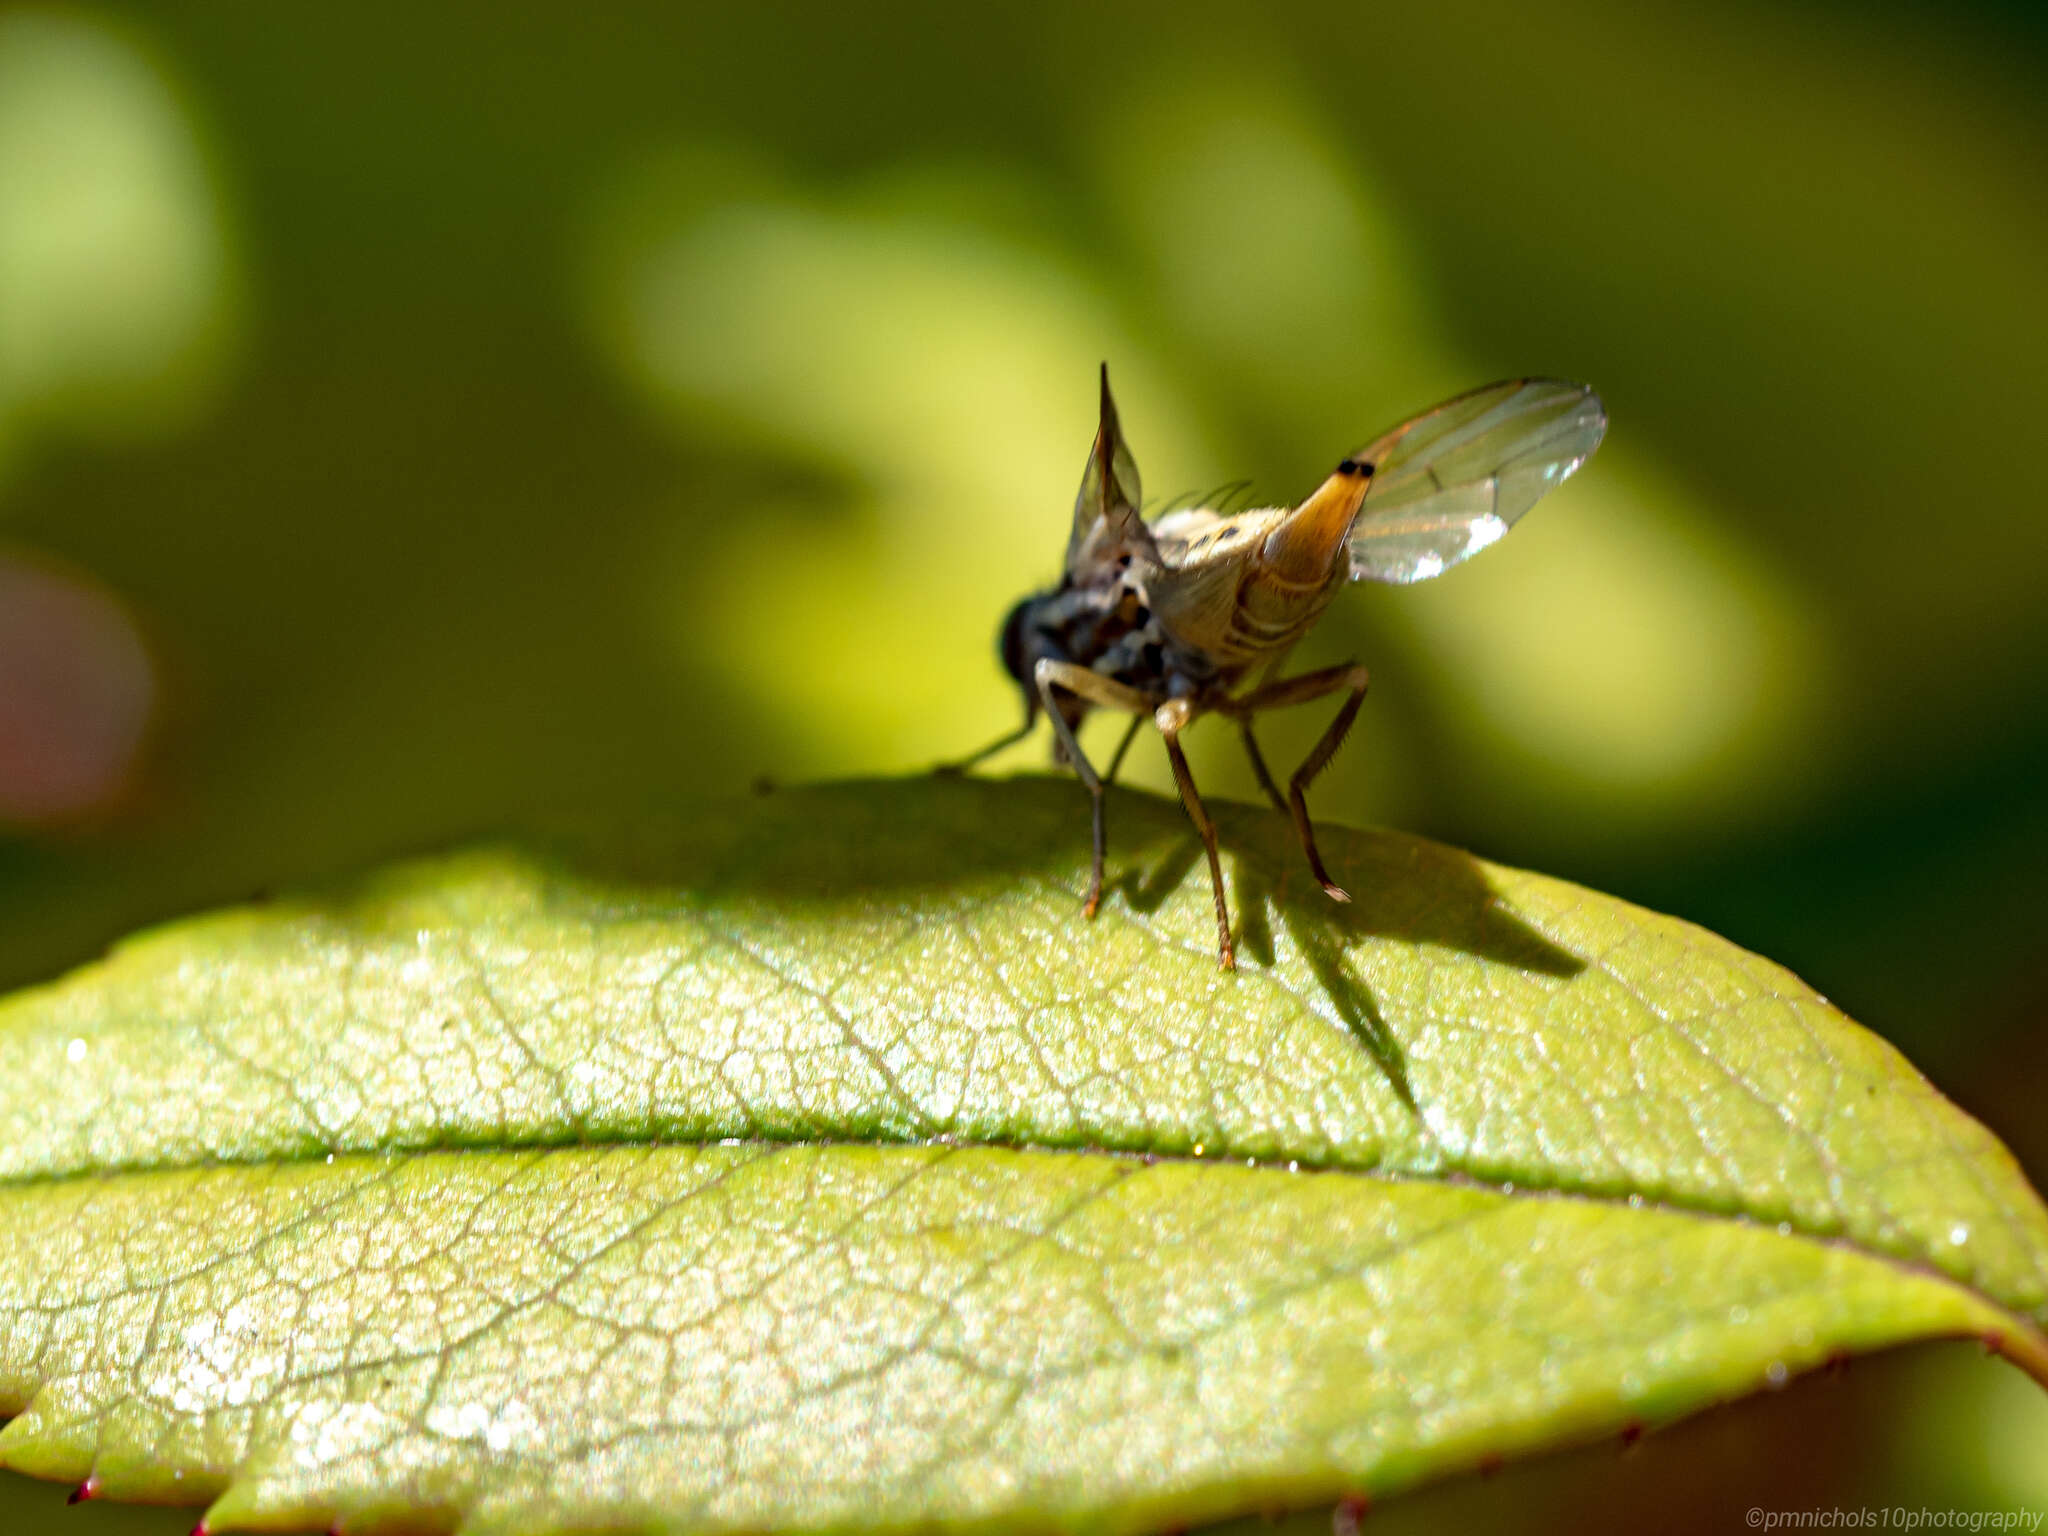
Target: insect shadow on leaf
[1434,895]
[894,838]
[1146,890]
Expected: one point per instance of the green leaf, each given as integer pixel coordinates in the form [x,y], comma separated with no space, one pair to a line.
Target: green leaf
[811,1164]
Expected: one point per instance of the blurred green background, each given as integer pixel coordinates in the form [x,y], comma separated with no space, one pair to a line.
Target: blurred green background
[414,421]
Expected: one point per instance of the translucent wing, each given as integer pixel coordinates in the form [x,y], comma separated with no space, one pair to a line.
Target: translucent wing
[1107,522]
[1453,480]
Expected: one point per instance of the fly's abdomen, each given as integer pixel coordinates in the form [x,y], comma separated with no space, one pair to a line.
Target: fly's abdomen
[1274,612]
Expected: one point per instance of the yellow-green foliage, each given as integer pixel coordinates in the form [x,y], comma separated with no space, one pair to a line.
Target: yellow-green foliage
[811,1164]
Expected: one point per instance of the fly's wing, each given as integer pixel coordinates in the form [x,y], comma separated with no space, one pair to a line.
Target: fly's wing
[1106,518]
[1453,480]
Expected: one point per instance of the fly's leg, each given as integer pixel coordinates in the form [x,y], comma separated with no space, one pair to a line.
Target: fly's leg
[1117,761]
[1172,718]
[954,769]
[1094,689]
[1356,681]
[1265,778]
[1301,690]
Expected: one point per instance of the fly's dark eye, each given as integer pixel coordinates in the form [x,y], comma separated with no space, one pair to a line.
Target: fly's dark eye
[1013,643]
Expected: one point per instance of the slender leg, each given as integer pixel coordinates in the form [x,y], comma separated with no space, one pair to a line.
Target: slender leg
[1095,689]
[1301,690]
[1251,750]
[1313,764]
[962,765]
[1172,718]
[1116,762]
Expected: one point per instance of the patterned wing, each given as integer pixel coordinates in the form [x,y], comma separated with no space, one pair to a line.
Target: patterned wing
[1453,480]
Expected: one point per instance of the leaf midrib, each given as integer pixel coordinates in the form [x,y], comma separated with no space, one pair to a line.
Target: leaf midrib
[2022,1343]
[1418,1152]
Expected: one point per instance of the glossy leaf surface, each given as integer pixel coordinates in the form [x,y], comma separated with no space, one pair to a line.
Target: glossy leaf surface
[470,1193]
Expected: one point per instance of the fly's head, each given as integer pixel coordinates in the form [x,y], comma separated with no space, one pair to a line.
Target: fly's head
[1014,643]
[1037,628]
[1066,624]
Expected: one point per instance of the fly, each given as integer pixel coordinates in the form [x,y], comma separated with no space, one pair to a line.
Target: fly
[1194,614]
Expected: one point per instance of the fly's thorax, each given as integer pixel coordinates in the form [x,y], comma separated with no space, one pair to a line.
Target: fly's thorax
[1239,589]
[1205,558]
[1149,659]
[1103,624]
